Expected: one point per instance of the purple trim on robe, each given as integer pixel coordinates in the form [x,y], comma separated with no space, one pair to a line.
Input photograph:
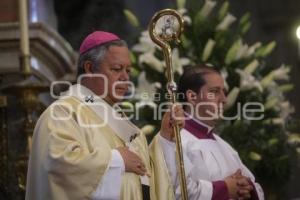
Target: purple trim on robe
[253,193]
[197,129]
[220,191]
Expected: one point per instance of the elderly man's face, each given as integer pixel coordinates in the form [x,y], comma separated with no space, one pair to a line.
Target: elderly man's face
[116,67]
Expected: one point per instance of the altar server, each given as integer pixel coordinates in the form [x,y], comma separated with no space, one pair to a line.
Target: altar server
[213,168]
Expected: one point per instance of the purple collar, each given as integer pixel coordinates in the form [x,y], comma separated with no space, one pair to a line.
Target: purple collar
[198,129]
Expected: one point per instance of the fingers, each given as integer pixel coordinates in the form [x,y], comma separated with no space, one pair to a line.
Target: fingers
[177,115]
[133,163]
[140,169]
[245,188]
[172,118]
[244,194]
[242,182]
[138,165]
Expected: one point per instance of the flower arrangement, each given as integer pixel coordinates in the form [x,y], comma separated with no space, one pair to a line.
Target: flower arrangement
[214,35]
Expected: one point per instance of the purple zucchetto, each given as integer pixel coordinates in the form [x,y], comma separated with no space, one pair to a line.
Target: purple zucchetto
[95,39]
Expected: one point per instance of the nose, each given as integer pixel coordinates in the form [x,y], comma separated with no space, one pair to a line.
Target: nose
[223,98]
[124,75]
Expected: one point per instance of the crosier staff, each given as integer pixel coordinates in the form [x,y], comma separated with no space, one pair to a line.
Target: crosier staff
[168,33]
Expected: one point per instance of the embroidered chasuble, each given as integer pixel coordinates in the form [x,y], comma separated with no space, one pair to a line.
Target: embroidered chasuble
[71,151]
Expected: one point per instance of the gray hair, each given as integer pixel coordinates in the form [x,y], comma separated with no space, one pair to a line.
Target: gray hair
[96,55]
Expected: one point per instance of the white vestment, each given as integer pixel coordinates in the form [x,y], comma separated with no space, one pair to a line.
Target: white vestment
[74,152]
[206,161]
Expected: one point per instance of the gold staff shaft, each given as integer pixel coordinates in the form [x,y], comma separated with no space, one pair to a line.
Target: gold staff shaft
[163,43]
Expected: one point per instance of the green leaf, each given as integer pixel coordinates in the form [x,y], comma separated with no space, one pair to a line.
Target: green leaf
[132,57]
[294,138]
[265,50]
[230,57]
[186,43]
[180,3]
[269,104]
[231,97]
[286,87]
[245,18]
[223,10]
[198,20]
[208,49]
[245,27]
[267,80]
[131,18]
[251,67]
[298,150]
[134,72]
[273,141]
[254,156]
[126,104]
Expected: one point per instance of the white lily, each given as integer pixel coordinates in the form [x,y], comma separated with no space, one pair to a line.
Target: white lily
[152,61]
[247,81]
[241,52]
[286,109]
[148,129]
[208,49]
[178,62]
[245,51]
[294,138]
[278,121]
[251,67]
[231,97]
[145,44]
[186,18]
[145,90]
[282,73]
[252,49]
[207,7]
[286,87]
[224,74]
[226,22]
[274,92]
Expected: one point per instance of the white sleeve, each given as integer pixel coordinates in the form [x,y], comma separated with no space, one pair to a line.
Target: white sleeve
[259,191]
[246,172]
[258,188]
[199,189]
[109,187]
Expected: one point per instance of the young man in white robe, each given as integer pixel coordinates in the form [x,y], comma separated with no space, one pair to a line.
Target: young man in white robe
[213,168]
[83,146]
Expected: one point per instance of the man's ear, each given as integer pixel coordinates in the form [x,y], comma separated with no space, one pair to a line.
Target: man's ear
[191,97]
[88,67]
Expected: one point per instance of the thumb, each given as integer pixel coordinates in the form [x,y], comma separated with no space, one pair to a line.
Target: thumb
[237,173]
